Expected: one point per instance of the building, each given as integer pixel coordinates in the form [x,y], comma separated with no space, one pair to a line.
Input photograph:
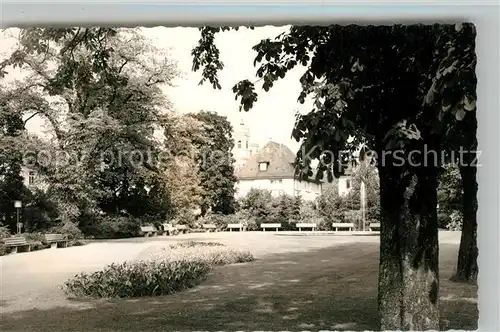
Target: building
[272,168]
[32,180]
[244,148]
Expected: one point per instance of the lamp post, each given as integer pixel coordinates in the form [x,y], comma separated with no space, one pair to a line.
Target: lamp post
[18,205]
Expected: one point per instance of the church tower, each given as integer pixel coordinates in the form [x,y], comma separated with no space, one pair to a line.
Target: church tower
[243,146]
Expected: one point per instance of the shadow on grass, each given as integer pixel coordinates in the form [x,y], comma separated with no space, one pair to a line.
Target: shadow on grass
[329,289]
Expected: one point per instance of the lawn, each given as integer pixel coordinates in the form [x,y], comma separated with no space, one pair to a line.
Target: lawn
[331,289]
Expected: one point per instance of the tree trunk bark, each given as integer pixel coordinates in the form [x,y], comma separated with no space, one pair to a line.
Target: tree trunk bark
[467,268]
[409,250]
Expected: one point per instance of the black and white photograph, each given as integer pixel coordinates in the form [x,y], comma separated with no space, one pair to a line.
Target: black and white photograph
[239,178]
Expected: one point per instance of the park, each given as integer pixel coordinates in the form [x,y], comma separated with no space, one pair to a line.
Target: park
[297,282]
[164,179]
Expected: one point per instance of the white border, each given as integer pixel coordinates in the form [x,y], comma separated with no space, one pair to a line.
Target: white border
[485,14]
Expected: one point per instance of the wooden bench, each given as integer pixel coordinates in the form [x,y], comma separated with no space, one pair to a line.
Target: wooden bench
[169,229]
[182,229]
[235,226]
[343,225]
[270,225]
[301,225]
[209,227]
[56,240]
[149,231]
[16,243]
[375,225]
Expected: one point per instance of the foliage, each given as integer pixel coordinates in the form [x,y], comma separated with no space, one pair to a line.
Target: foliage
[111,227]
[456,221]
[100,91]
[216,162]
[207,252]
[258,203]
[4,250]
[182,170]
[178,267]
[4,232]
[191,244]
[137,279]
[380,86]
[69,230]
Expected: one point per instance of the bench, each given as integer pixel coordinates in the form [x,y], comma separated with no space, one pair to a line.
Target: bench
[342,225]
[209,227]
[375,225]
[235,226]
[182,229]
[301,225]
[269,225]
[56,240]
[149,231]
[15,243]
[169,229]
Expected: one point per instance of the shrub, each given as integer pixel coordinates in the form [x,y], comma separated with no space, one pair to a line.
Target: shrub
[76,243]
[455,221]
[4,232]
[69,230]
[113,227]
[136,279]
[191,244]
[211,254]
[37,241]
[178,267]
[34,237]
[3,249]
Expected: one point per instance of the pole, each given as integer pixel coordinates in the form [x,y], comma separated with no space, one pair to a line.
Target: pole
[18,228]
[363,203]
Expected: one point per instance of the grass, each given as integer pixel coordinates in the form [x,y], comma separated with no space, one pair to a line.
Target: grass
[330,289]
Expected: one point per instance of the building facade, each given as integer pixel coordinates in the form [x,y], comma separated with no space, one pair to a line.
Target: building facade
[271,168]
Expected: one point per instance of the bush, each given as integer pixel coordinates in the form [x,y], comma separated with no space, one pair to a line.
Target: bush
[34,237]
[211,253]
[191,244]
[136,279]
[4,232]
[3,250]
[113,227]
[178,267]
[69,230]
[455,221]
[76,243]
[37,241]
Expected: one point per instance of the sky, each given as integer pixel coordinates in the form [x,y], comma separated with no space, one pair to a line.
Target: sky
[272,117]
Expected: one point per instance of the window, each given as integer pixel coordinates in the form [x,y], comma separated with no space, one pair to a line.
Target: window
[246,144]
[239,144]
[263,167]
[31,178]
[348,184]
[250,152]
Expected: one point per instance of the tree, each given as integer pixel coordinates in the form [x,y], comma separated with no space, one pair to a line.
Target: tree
[450,193]
[382,87]
[259,204]
[182,169]
[13,139]
[216,163]
[100,89]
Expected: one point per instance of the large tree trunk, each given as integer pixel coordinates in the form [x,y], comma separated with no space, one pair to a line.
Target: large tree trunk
[409,251]
[467,268]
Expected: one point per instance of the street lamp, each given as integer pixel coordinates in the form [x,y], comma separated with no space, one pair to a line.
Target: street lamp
[18,205]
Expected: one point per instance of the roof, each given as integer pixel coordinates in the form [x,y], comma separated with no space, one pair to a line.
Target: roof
[280,161]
